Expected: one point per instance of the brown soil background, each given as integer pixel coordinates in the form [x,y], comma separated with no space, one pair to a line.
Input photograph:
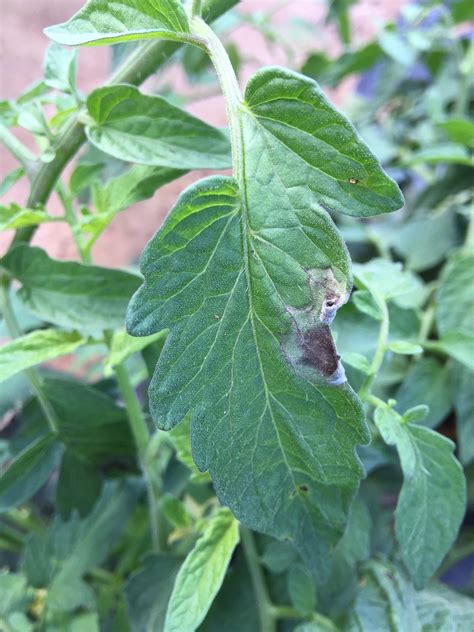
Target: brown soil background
[22,47]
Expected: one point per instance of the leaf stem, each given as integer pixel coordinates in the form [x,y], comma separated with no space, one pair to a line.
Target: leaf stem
[230,90]
[264,605]
[24,156]
[32,375]
[364,392]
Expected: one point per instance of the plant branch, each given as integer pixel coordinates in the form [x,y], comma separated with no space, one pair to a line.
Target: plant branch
[264,605]
[196,9]
[35,380]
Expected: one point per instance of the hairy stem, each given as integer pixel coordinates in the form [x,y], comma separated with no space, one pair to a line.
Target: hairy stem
[31,374]
[230,90]
[264,605]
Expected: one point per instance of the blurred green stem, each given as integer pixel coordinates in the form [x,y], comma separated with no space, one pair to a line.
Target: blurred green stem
[71,219]
[264,605]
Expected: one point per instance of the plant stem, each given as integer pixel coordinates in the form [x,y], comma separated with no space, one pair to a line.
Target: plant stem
[377,360]
[264,605]
[32,375]
[141,436]
[71,219]
[16,148]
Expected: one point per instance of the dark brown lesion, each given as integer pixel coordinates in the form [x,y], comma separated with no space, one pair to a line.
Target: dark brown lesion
[319,350]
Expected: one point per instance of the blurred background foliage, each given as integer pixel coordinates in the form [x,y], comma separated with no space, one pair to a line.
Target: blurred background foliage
[74,530]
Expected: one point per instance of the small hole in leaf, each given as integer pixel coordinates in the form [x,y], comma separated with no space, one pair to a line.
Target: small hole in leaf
[353,181]
[303,488]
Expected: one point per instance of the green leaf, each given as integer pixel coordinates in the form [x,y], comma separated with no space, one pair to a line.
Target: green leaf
[247,277]
[365,303]
[71,548]
[443,610]
[417,414]
[404,347]
[358,361]
[15,598]
[78,486]
[70,294]
[301,589]
[83,176]
[202,574]
[455,308]
[459,131]
[386,278]
[455,296]
[28,471]
[13,217]
[84,412]
[123,345]
[136,184]
[385,601]
[149,130]
[464,406]
[428,382]
[180,438]
[100,23]
[60,68]
[279,556]
[36,347]
[425,241]
[235,608]
[441,154]
[147,592]
[174,511]
[432,500]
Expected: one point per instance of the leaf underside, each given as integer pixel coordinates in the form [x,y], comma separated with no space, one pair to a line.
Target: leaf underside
[248,276]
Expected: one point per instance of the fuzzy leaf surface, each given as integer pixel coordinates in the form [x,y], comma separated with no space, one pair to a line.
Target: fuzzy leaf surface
[247,276]
[101,22]
[149,130]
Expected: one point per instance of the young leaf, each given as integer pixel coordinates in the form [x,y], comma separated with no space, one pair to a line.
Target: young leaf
[149,130]
[202,574]
[36,347]
[147,592]
[15,217]
[247,276]
[70,294]
[9,180]
[404,347]
[60,68]
[432,500]
[15,599]
[28,471]
[100,23]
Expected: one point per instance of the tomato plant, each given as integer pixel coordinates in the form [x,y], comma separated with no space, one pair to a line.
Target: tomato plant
[247,438]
